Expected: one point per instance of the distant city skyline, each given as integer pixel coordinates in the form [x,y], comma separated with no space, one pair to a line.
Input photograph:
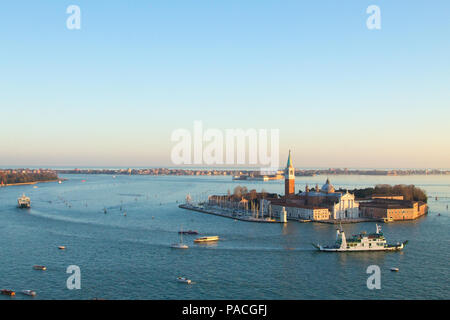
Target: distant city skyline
[111,93]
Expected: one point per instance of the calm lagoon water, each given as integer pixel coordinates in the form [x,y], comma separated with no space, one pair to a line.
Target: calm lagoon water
[128,257]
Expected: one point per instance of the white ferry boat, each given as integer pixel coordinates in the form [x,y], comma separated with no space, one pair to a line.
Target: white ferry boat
[361,242]
[24,202]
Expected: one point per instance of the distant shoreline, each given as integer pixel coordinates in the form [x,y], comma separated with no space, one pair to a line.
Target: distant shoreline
[30,183]
[240,172]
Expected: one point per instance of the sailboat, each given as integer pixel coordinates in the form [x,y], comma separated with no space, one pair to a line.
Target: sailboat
[180,245]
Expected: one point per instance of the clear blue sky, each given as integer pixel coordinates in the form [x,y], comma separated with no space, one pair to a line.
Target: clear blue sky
[111,93]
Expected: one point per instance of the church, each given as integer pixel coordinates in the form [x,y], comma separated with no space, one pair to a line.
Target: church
[341,205]
[317,204]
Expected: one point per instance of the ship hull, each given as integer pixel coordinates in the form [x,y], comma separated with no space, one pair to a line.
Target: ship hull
[388,248]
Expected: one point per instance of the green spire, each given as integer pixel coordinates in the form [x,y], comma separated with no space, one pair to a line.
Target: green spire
[289,162]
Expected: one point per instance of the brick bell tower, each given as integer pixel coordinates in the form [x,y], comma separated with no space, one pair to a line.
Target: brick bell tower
[289,178]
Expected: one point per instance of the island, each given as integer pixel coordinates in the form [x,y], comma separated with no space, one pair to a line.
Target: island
[11,177]
[324,204]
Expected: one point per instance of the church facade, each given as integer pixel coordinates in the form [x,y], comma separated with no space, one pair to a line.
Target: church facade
[341,205]
[323,203]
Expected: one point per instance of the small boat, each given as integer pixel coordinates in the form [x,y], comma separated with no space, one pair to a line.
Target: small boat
[395,269]
[29,292]
[188,232]
[184,280]
[304,220]
[207,239]
[180,245]
[61,247]
[8,292]
[43,268]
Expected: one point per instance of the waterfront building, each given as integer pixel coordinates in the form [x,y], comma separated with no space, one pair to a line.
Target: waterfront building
[393,210]
[296,211]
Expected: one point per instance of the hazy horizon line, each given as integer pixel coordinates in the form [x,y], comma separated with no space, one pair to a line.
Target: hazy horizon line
[68,167]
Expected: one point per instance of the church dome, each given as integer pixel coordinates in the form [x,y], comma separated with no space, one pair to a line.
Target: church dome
[327,187]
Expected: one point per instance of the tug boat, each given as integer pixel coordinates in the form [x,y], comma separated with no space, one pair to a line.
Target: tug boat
[8,292]
[24,202]
[184,280]
[207,239]
[361,242]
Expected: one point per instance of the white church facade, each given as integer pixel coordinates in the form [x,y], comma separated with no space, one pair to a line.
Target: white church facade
[341,205]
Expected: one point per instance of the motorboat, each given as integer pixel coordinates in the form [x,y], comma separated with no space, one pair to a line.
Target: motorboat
[43,268]
[61,247]
[8,292]
[188,232]
[395,269]
[29,292]
[184,280]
